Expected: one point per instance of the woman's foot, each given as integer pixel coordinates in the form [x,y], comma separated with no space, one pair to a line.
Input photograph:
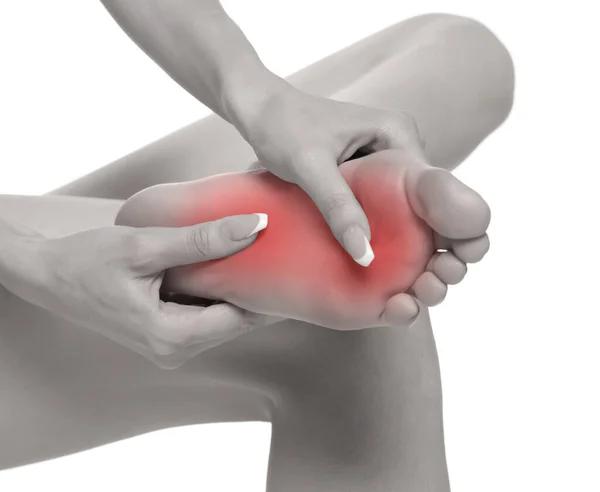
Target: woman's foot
[296,268]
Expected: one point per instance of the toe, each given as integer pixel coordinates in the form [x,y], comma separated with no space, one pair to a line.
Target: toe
[401,310]
[447,267]
[471,250]
[429,289]
[449,206]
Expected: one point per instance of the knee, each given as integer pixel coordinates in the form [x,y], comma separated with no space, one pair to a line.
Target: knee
[478,42]
[498,75]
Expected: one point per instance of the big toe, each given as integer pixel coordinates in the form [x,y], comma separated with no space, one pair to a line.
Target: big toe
[449,206]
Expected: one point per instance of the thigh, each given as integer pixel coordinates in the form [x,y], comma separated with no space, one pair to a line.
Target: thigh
[55,216]
[64,389]
[364,414]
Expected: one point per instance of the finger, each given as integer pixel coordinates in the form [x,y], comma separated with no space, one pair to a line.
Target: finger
[224,324]
[182,331]
[206,328]
[199,324]
[171,247]
[319,176]
[175,358]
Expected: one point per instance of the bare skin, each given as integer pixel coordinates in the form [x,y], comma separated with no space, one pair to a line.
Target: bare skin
[426,206]
[351,411]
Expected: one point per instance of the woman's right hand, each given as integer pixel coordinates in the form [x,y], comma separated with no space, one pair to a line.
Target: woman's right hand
[109,280]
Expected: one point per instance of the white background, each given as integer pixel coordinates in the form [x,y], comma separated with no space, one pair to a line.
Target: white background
[518,340]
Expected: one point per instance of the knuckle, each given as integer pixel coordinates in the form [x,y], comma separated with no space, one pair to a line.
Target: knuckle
[136,249]
[336,204]
[391,126]
[399,127]
[201,240]
[131,245]
[310,156]
[223,232]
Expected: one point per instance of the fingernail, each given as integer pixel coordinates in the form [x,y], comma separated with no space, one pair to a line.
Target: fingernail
[238,226]
[245,222]
[263,221]
[357,244]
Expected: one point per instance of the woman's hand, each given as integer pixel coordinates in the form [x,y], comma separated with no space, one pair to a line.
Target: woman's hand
[299,137]
[303,138]
[109,280]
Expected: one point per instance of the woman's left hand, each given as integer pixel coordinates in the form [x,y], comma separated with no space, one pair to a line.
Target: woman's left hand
[303,138]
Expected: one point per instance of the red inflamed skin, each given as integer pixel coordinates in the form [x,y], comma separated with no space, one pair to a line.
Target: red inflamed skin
[296,268]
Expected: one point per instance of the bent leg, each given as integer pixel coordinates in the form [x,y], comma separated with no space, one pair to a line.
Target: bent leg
[365,415]
[334,415]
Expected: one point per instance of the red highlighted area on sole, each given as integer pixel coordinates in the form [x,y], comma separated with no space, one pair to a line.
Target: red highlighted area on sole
[296,268]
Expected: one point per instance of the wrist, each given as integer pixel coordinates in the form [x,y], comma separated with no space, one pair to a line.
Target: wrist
[246,92]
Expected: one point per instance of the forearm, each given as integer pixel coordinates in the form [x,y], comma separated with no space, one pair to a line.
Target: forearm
[200,47]
[26,221]
[16,254]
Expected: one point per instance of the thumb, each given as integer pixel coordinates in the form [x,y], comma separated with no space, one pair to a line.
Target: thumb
[202,242]
[322,180]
